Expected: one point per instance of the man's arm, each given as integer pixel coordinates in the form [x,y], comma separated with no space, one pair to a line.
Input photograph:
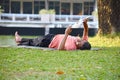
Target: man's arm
[62,43]
[85,32]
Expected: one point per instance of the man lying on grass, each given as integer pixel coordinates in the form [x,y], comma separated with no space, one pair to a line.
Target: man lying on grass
[59,41]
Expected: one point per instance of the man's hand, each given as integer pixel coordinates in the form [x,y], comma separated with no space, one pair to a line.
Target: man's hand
[68,30]
[85,20]
[85,32]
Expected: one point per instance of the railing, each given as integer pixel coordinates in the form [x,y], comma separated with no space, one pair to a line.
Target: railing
[37,19]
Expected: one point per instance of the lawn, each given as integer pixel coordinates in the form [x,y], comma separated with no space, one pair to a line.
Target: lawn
[35,64]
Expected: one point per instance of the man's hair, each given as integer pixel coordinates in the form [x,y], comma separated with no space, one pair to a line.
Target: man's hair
[85,46]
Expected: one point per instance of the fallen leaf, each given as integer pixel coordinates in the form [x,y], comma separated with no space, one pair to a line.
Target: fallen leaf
[59,72]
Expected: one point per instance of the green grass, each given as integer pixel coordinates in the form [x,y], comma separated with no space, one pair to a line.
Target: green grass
[35,64]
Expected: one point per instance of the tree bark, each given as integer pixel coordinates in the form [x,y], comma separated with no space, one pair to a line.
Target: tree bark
[109,16]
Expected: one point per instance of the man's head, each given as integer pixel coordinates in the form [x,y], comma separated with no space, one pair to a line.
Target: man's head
[86,46]
[83,45]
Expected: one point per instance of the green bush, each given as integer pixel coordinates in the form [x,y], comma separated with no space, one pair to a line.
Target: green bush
[1,10]
[44,11]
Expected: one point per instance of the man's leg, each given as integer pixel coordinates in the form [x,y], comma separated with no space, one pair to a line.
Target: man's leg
[26,41]
[17,38]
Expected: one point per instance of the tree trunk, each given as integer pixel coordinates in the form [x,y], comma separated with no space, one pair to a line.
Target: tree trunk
[109,16]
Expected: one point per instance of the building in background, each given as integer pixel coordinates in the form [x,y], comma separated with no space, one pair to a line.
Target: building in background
[23,16]
[62,7]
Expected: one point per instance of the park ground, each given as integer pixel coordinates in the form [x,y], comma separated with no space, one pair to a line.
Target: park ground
[103,63]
